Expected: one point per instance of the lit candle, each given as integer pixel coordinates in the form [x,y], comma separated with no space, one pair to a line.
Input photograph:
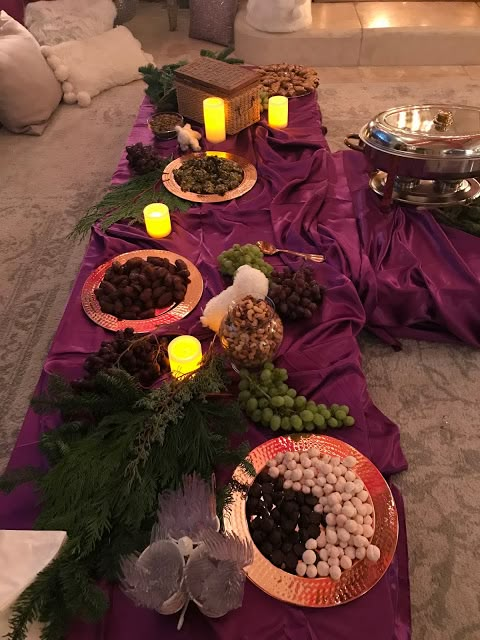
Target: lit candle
[278,112]
[185,355]
[157,220]
[214,118]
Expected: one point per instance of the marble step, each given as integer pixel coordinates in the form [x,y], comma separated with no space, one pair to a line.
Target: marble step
[372,34]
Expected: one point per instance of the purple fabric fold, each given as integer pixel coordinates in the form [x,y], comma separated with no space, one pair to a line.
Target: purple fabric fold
[305,199]
[416,277]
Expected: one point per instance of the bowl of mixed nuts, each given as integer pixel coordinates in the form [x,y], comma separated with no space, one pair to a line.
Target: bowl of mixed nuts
[162,124]
[251,332]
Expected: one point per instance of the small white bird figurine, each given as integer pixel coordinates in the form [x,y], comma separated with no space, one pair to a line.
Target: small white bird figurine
[188,138]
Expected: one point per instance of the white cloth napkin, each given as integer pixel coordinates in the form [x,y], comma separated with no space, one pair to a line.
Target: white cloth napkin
[23,554]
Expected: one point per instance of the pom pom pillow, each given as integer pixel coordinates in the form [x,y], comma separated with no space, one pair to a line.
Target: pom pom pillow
[29,92]
[55,21]
[87,67]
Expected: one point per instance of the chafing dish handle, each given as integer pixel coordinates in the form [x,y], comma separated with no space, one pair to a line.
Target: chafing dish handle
[350,145]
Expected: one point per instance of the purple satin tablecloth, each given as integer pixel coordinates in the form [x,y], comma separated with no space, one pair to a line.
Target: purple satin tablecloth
[399,275]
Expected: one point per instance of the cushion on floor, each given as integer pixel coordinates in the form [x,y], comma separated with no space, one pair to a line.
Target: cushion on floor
[88,67]
[29,92]
[56,21]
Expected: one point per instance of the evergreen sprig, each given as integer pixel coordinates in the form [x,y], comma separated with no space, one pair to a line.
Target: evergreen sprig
[126,202]
[223,56]
[159,83]
[463,217]
[117,447]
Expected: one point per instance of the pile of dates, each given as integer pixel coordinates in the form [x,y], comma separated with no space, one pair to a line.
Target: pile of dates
[132,291]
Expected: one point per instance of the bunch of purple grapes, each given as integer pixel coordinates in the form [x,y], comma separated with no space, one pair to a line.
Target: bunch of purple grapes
[145,358]
[296,294]
[142,159]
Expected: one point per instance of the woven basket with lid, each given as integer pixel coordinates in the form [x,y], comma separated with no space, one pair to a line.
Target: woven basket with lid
[205,77]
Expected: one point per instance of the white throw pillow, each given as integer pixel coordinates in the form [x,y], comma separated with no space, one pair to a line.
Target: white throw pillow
[55,21]
[88,67]
[29,92]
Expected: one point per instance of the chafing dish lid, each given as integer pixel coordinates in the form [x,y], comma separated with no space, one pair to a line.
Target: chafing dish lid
[432,130]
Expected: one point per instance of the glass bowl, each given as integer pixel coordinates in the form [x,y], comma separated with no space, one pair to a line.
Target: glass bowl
[251,332]
[165,130]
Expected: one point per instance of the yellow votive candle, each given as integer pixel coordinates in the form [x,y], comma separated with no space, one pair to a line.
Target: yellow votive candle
[157,220]
[214,118]
[278,112]
[185,355]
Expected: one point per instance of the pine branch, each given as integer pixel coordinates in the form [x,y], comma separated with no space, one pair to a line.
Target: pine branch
[463,217]
[160,88]
[223,56]
[126,202]
[107,469]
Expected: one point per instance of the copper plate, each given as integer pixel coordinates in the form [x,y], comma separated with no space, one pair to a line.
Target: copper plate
[320,592]
[249,178]
[163,316]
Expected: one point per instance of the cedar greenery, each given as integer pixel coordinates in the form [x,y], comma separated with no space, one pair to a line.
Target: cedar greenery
[463,217]
[117,447]
[127,201]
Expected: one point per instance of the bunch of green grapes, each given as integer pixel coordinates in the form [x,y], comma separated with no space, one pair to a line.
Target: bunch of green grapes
[239,255]
[268,400]
[263,101]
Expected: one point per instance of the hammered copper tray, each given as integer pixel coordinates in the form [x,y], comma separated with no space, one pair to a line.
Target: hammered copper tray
[249,178]
[164,316]
[319,592]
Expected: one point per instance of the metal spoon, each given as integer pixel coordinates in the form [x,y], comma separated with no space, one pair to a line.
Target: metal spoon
[269,250]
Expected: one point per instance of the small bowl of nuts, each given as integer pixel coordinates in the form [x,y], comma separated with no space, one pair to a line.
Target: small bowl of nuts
[162,125]
[251,332]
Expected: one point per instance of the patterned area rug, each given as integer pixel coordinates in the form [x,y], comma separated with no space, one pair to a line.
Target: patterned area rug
[430,390]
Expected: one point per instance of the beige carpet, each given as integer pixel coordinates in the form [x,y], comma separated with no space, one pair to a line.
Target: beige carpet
[431,391]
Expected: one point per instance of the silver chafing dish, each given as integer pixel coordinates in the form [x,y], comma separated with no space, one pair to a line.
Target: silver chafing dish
[426,155]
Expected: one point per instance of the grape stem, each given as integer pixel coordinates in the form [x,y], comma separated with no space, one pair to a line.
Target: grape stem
[268,396]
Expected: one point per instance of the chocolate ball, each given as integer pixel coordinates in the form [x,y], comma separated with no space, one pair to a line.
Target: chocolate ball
[267,487]
[287,547]
[304,536]
[288,525]
[258,537]
[275,538]
[313,531]
[278,484]
[255,490]
[298,549]
[277,558]
[291,561]
[288,508]
[255,524]
[267,524]
[266,548]
[289,494]
[299,497]
[315,518]
[304,521]
[277,497]
[275,514]
[267,500]
[311,500]
[263,477]
[293,537]
[305,508]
